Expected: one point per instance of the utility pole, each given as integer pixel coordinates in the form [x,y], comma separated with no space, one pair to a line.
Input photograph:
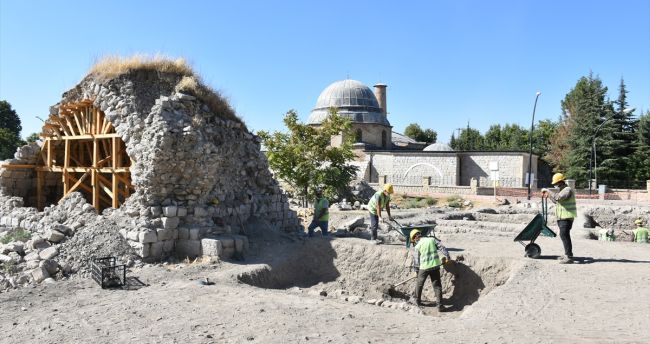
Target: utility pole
[530,139]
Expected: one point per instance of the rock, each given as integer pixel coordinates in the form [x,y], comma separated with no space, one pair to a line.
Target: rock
[49,253]
[350,225]
[32,256]
[5,258]
[54,236]
[14,246]
[50,266]
[39,274]
[148,236]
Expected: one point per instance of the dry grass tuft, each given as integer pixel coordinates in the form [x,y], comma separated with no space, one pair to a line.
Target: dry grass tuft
[112,66]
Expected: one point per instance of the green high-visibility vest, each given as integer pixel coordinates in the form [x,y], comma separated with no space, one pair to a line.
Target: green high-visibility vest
[641,234]
[428,253]
[380,198]
[602,236]
[566,209]
[322,203]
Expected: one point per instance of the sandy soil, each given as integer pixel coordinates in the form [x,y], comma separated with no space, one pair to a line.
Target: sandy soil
[501,297]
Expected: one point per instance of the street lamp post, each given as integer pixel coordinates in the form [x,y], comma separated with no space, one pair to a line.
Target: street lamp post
[530,139]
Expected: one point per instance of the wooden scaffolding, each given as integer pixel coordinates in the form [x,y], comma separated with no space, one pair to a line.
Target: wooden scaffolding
[81,144]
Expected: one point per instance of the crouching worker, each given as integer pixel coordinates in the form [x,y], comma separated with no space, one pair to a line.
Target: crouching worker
[321,214]
[428,264]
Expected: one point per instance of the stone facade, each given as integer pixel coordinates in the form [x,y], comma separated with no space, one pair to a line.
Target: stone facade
[415,170]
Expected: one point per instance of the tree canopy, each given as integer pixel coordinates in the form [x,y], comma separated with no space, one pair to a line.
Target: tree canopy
[414,131]
[10,128]
[304,158]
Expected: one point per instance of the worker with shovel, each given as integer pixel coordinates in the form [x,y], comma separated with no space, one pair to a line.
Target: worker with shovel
[381,199]
[640,233]
[429,263]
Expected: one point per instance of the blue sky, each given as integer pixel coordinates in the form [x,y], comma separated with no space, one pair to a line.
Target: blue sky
[445,62]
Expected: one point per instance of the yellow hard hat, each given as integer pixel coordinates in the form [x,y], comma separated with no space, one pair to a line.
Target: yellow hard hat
[558,177]
[388,188]
[639,221]
[413,233]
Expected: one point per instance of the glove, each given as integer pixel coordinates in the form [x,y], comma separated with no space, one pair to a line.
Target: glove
[444,260]
[544,190]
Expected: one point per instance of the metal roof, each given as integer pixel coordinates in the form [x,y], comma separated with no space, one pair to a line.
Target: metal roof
[353,99]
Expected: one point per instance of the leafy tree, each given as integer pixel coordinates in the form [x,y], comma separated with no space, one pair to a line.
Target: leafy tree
[33,137]
[9,142]
[492,138]
[542,134]
[304,158]
[10,128]
[469,139]
[9,118]
[414,131]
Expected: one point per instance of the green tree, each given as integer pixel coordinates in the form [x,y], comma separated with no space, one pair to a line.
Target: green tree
[542,134]
[415,132]
[469,139]
[9,118]
[492,139]
[10,128]
[585,107]
[33,137]
[617,142]
[303,157]
[641,161]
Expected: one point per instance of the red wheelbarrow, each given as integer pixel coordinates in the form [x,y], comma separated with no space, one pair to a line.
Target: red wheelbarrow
[532,231]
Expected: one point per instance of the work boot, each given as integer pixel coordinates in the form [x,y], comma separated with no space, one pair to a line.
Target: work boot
[438,293]
[561,257]
[566,260]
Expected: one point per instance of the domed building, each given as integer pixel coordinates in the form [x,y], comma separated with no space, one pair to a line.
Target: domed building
[385,156]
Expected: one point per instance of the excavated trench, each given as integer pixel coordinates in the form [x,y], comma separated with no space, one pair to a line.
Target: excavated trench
[346,268]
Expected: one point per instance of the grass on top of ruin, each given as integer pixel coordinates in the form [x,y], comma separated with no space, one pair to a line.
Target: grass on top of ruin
[113,66]
[405,201]
[15,234]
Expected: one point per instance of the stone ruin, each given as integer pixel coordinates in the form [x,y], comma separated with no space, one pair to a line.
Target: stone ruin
[158,155]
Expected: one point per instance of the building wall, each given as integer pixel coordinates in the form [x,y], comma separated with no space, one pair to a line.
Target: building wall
[512,168]
[409,168]
[370,134]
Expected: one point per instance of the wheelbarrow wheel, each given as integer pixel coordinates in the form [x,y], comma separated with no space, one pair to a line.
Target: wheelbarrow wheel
[533,250]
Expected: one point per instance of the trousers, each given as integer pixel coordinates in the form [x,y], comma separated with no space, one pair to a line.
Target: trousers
[565,234]
[434,274]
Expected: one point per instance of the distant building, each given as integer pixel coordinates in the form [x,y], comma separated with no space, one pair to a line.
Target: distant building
[385,156]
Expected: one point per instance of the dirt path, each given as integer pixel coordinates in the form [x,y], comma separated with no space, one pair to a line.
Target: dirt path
[604,300]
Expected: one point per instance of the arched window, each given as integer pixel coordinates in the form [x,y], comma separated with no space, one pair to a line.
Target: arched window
[383,139]
[358,136]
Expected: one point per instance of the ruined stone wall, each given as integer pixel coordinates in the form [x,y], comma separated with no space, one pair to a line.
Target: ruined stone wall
[197,170]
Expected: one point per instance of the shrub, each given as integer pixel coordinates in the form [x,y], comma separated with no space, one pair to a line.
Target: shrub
[17,234]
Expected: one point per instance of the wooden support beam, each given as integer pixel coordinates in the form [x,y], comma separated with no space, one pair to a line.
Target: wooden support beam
[59,169]
[85,137]
[39,190]
[9,167]
[77,182]
[66,165]
[49,153]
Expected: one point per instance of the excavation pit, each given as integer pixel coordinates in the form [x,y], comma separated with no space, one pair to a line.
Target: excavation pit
[355,270]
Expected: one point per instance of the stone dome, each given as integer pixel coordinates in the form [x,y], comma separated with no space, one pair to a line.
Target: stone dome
[353,99]
[438,147]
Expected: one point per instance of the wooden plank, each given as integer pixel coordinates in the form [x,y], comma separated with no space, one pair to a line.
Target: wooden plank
[39,190]
[79,123]
[95,189]
[77,182]
[60,169]
[69,123]
[43,151]
[9,167]
[86,137]
[115,190]
[49,153]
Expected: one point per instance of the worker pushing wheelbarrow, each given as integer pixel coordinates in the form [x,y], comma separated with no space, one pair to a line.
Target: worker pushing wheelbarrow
[532,231]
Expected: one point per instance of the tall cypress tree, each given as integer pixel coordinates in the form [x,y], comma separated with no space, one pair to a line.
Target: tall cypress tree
[641,161]
[586,107]
[618,139]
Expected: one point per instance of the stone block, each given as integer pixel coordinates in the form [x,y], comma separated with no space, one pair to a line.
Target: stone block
[49,253]
[164,234]
[140,249]
[155,211]
[50,266]
[15,246]
[133,235]
[168,246]
[174,234]
[211,247]
[5,258]
[148,236]
[170,222]
[32,256]
[200,212]
[39,274]
[188,248]
[181,211]
[54,236]
[195,233]
[227,252]
[170,210]
[63,229]
[156,250]
[228,242]
[241,243]
[183,233]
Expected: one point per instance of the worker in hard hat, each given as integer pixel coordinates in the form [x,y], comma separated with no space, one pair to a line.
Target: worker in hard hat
[640,232]
[429,263]
[605,234]
[381,199]
[565,212]
[321,214]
